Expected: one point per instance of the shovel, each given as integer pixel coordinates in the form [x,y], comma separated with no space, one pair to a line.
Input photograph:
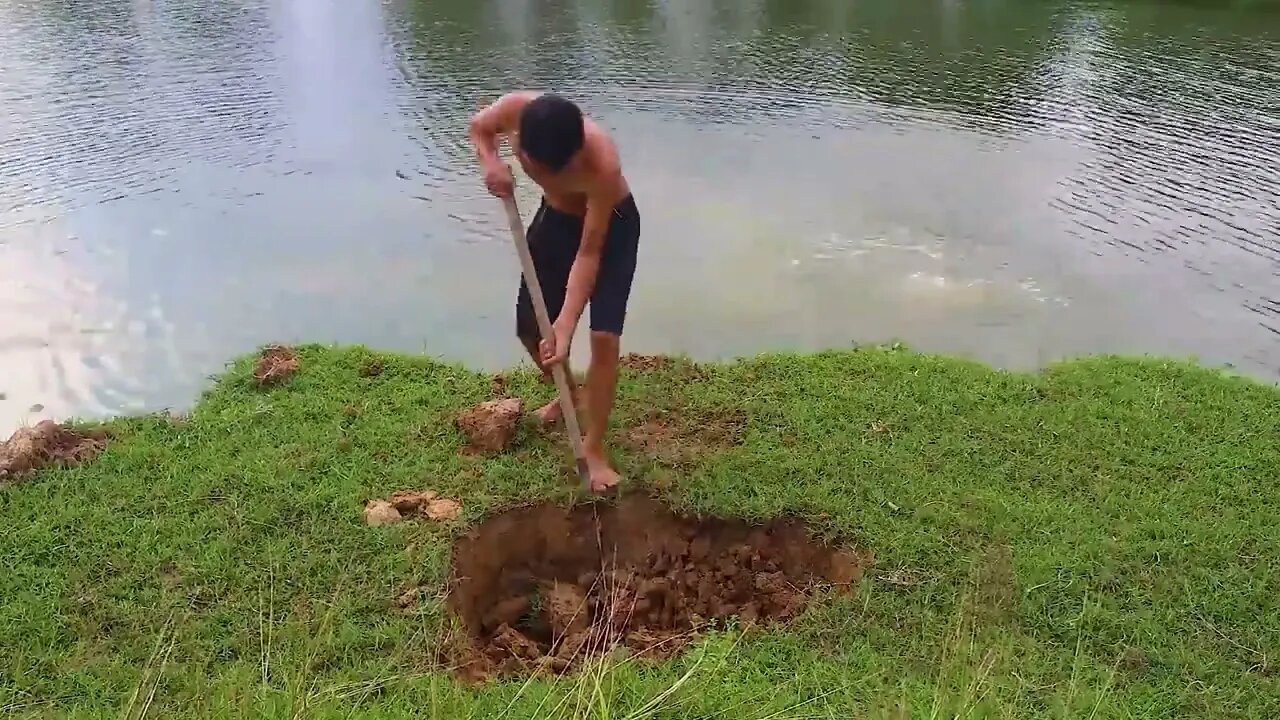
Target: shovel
[544,328]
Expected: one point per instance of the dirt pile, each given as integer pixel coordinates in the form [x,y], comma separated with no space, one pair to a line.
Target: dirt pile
[490,426]
[426,504]
[46,443]
[545,587]
[277,363]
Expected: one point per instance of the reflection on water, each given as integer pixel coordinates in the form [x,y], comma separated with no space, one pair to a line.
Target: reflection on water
[182,181]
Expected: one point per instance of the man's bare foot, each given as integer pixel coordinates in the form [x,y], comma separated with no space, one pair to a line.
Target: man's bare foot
[549,414]
[552,413]
[603,477]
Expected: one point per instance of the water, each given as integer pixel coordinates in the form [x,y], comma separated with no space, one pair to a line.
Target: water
[183,180]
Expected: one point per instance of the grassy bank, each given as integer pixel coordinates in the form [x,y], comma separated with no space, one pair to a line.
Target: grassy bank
[1098,541]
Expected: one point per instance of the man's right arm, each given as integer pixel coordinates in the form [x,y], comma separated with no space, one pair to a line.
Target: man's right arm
[498,119]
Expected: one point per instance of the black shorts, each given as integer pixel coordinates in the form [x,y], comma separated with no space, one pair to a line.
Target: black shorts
[554,237]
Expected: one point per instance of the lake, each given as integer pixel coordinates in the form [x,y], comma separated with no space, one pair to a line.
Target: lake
[1016,182]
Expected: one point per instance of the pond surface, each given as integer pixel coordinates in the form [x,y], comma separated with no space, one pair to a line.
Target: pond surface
[1017,182]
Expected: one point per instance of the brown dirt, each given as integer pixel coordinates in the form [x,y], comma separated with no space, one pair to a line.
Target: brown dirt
[490,426]
[426,504]
[683,369]
[678,439]
[381,512]
[645,363]
[277,363]
[545,587]
[46,443]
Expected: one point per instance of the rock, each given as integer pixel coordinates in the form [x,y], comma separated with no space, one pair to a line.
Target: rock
[490,426]
[380,512]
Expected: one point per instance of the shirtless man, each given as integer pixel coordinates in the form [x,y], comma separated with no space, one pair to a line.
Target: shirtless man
[583,239]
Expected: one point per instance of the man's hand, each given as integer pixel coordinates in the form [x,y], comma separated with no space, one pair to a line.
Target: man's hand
[498,178]
[555,350]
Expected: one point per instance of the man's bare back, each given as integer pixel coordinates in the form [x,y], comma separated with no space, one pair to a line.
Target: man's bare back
[596,172]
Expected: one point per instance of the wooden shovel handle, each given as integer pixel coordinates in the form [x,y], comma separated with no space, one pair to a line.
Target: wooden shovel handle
[544,328]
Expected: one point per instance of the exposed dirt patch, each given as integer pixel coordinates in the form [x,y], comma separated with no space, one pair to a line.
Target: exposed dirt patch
[276,364]
[639,364]
[490,426]
[47,443]
[1134,661]
[679,439]
[645,363]
[997,589]
[542,588]
[408,504]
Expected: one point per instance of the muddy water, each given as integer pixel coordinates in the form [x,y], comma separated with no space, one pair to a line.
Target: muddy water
[181,181]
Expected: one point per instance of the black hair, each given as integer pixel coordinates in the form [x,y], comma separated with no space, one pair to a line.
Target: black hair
[551,130]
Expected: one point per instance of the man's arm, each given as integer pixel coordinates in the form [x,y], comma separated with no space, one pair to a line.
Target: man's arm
[586,265]
[499,118]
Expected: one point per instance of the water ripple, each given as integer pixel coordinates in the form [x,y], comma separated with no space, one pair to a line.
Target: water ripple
[182,180]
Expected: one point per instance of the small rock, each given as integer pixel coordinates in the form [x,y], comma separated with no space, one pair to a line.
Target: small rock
[380,512]
[490,426]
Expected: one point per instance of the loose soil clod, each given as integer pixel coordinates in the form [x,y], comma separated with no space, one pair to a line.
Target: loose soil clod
[409,504]
[46,443]
[490,426]
[381,512]
[276,364]
[542,588]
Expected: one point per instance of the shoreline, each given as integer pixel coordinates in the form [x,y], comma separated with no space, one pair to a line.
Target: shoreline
[1083,538]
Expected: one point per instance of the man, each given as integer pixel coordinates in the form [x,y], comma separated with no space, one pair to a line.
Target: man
[583,239]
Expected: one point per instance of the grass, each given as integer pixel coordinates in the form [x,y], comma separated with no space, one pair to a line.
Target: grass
[1096,541]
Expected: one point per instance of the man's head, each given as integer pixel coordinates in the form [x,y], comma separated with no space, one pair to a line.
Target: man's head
[551,131]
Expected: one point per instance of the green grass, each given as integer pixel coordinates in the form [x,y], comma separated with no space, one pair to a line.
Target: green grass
[1096,541]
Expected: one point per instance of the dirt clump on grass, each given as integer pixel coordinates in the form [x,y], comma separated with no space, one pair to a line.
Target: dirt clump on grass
[544,588]
[46,443]
[491,426]
[407,504]
[276,364]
